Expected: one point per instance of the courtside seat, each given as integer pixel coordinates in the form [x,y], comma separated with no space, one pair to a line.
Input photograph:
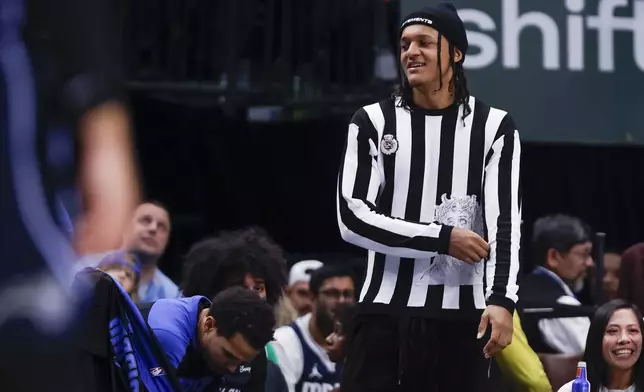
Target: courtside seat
[560,368]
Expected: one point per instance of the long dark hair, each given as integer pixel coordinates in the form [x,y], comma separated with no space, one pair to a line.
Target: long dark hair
[597,368]
[457,84]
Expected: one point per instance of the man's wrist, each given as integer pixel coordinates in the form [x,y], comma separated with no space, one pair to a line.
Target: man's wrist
[502,301]
[444,238]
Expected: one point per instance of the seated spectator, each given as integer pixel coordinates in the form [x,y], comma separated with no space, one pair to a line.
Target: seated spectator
[631,288]
[612,263]
[613,349]
[562,251]
[298,285]
[208,341]
[248,258]
[124,268]
[146,236]
[285,313]
[300,347]
[342,329]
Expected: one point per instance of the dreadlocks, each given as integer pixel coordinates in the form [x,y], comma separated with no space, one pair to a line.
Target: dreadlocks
[457,84]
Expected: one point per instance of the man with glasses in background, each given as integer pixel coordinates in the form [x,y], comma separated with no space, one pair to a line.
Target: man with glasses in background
[562,251]
[301,346]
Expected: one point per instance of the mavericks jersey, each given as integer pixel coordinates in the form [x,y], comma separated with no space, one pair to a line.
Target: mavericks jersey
[306,366]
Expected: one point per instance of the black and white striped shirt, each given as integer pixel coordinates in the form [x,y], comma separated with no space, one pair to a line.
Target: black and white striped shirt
[407,178]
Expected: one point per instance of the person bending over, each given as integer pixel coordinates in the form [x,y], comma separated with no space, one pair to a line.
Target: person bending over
[207,341]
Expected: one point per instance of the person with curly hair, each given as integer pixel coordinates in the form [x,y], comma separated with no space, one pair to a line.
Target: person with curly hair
[248,258]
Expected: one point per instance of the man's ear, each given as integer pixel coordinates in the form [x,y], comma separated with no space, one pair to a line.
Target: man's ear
[209,324]
[458,56]
[552,259]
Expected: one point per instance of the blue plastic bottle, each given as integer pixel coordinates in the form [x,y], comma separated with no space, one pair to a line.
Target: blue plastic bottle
[581,383]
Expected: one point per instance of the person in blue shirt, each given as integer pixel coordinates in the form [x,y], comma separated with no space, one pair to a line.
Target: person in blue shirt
[246,258]
[208,341]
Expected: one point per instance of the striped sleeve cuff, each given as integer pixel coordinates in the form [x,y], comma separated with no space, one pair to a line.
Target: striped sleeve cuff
[500,300]
[443,239]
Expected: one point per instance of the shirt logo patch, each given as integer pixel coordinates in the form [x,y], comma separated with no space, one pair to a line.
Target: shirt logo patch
[388,145]
[315,373]
[157,371]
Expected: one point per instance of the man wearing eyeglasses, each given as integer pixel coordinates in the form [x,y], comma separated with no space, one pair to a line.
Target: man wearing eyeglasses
[562,252]
[300,347]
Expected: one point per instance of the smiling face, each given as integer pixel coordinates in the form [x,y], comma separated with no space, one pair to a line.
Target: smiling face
[419,56]
[622,342]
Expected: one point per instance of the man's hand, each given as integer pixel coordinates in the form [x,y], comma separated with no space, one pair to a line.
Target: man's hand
[467,246]
[502,327]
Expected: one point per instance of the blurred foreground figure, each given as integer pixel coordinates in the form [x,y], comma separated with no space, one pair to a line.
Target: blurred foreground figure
[58,84]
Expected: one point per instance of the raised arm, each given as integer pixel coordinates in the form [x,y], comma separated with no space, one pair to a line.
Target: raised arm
[502,209]
[87,37]
[359,220]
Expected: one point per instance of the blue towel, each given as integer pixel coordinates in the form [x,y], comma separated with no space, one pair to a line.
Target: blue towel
[138,361]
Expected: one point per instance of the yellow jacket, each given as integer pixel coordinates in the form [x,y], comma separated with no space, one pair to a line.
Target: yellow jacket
[521,365]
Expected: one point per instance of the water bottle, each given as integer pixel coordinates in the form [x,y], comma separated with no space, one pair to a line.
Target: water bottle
[581,383]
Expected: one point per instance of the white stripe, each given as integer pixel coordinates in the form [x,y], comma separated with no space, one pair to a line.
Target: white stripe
[418,293]
[389,279]
[350,169]
[451,296]
[492,210]
[403,163]
[492,125]
[376,116]
[479,296]
[461,159]
[432,156]
[369,275]
[512,287]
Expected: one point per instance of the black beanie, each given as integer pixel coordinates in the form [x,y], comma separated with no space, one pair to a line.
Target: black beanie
[444,18]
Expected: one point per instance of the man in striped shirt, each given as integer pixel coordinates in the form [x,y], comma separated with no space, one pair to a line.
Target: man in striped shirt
[429,184]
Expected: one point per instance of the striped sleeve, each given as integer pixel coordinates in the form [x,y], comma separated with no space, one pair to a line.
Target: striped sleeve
[503,215]
[360,221]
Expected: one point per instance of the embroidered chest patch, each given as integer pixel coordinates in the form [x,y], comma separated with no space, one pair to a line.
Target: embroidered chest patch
[388,144]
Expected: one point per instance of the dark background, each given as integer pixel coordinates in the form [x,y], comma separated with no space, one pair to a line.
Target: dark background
[220,172]
[197,68]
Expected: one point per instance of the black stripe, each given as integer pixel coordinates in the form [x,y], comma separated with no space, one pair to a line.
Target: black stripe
[434,298]
[477,150]
[376,278]
[466,297]
[413,204]
[363,173]
[386,197]
[446,158]
[504,221]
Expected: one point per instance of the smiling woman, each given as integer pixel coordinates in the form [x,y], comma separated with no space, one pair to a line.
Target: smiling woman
[613,349]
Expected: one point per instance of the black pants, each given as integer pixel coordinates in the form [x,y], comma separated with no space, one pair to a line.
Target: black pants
[387,354]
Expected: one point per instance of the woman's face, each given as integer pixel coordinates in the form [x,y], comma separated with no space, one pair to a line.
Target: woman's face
[622,343]
[335,341]
[124,275]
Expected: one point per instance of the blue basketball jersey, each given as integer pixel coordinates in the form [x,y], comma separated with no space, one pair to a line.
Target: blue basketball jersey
[318,374]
